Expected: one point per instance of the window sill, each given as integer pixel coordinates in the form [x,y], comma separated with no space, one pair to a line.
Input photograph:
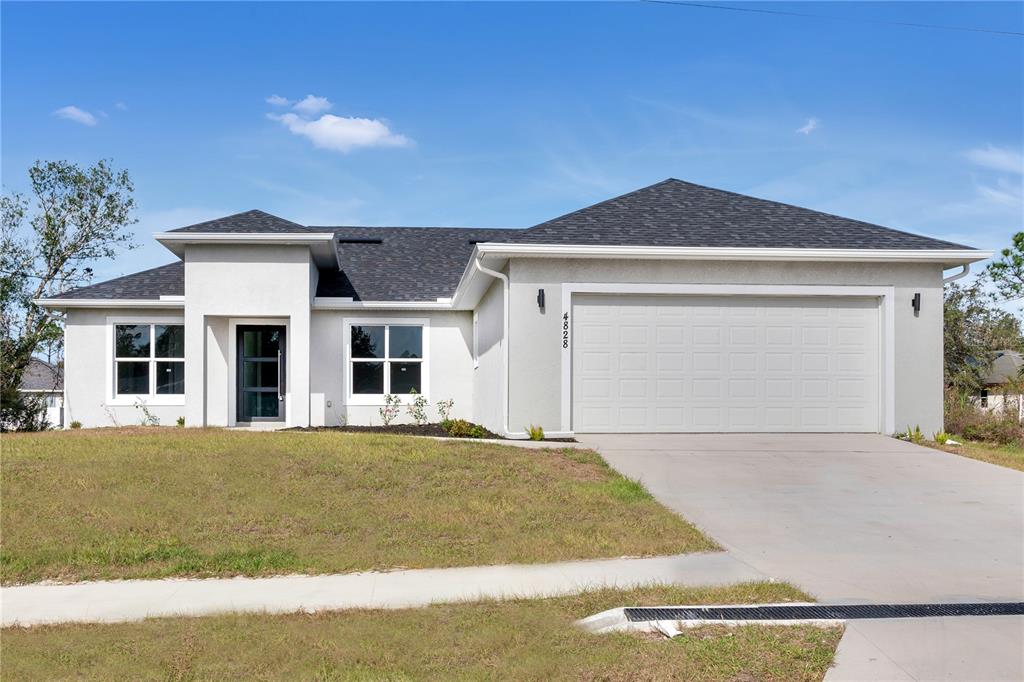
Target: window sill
[366,400]
[147,400]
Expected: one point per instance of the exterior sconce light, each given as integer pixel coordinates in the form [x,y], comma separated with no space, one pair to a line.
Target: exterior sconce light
[540,299]
[916,303]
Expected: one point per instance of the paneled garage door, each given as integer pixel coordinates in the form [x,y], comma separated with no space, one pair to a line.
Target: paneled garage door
[645,363]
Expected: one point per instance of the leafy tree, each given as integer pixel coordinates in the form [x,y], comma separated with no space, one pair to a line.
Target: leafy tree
[77,216]
[974,326]
[1007,273]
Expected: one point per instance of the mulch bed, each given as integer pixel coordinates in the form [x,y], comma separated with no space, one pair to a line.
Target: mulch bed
[409,430]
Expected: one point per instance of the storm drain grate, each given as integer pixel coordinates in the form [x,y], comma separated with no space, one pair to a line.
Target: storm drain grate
[821,612]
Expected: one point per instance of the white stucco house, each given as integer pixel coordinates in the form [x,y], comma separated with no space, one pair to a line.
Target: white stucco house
[673,308]
[1002,380]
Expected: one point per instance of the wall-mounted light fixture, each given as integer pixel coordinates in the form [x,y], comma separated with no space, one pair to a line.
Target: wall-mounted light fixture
[916,303]
[540,299]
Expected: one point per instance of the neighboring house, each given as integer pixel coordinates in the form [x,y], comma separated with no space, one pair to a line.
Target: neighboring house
[1003,384]
[674,308]
[47,381]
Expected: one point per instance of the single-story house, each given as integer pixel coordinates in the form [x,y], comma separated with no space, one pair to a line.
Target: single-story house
[46,380]
[1003,382]
[673,308]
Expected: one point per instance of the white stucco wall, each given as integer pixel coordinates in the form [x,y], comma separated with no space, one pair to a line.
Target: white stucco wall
[230,284]
[89,370]
[535,337]
[488,376]
[448,357]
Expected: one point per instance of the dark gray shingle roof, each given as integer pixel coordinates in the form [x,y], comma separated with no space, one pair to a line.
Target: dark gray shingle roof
[249,222]
[42,376]
[677,213]
[166,280]
[425,263]
[1006,366]
[408,263]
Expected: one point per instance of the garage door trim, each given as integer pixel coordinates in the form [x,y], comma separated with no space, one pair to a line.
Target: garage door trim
[885,295]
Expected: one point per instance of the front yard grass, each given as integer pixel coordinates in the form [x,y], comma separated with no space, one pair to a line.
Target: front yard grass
[155,502]
[521,639]
[1011,456]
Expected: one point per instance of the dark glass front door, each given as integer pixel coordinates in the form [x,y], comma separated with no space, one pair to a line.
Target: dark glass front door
[261,373]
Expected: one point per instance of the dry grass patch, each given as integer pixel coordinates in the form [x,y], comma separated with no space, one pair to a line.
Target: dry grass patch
[1011,455]
[155,502]
[522,639]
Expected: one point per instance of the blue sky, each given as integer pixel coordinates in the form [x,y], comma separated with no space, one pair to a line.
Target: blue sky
[509,114]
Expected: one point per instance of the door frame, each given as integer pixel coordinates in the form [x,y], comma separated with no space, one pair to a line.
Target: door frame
[232,363]
[282,371]
[886,311]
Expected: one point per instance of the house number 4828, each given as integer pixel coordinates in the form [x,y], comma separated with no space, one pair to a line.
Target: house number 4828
[565,330]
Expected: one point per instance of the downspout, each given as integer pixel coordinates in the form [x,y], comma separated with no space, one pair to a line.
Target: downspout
[960,275]
[504,350]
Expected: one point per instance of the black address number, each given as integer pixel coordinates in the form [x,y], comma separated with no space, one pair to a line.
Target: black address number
[565,330]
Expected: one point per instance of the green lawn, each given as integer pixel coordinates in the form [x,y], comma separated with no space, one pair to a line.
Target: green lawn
[152,502]
[1011,456]
[523,640]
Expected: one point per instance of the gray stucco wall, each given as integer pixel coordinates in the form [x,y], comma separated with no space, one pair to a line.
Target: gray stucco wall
[449,363]
[226,283]
[535,337]
[89,371]
[487,378]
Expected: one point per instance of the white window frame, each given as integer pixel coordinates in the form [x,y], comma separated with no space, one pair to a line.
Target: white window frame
[387,323]
[151,398]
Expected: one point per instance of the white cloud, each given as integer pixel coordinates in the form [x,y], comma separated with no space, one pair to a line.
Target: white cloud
[997,158]
[73,113]
[312,105]
[341,133]
[809,127]
[120,106]
[1005,192]
[278,101]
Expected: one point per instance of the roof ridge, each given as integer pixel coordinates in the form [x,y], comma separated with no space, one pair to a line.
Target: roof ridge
[813,210]
[608,201]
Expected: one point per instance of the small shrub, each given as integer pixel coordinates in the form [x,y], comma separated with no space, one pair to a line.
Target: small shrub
[444,409]
[417,408]
[941,437]
[148,418]
[1002,429]
[76,424]
[181,422]
[390,409]
[460,428]
[536,432]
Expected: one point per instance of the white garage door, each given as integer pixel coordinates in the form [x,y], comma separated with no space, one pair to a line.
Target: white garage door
[724,363]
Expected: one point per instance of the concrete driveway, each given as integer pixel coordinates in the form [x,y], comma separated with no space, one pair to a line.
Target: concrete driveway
[857,518]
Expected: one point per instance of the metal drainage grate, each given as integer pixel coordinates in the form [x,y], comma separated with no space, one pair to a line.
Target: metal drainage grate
[821,612]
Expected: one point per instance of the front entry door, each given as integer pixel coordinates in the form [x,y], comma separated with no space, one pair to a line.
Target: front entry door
[261,373]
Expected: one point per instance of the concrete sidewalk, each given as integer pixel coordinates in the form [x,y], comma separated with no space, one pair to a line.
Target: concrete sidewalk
[125,600]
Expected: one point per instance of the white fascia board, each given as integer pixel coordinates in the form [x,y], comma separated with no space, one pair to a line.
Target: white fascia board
[60,303]
[175,241]
[332,303]
[243,237]
[947,256]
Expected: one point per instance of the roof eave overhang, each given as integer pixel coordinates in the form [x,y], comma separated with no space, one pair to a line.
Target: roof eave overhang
[321,244]
[164,303]
[474,284]
[946,257]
